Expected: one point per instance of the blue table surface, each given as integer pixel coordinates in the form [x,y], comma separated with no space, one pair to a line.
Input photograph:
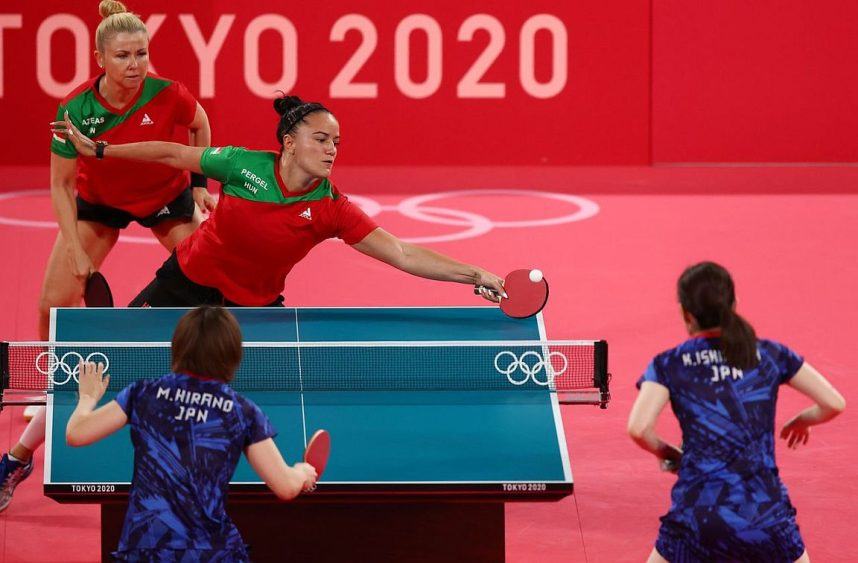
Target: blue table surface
[390,437]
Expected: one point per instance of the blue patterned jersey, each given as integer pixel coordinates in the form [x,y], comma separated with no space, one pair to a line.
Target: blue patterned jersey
[728,485]
[188,435]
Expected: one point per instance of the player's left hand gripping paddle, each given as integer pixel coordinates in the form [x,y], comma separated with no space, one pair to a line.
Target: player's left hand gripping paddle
[97,292]
[527,293]
[317,452]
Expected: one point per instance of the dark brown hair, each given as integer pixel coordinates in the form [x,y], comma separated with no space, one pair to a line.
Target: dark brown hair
[292,111]
[207,343]
[706,291]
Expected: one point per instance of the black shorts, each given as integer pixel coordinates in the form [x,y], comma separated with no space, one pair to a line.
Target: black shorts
[180,208]
[172,288]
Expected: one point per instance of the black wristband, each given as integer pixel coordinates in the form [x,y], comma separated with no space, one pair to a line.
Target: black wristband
[199,180]
[99,149]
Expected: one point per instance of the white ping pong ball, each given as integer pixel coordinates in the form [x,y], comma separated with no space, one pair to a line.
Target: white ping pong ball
[535,276]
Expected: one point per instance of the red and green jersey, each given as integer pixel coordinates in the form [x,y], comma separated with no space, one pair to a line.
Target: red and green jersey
[260,230]
[159,112]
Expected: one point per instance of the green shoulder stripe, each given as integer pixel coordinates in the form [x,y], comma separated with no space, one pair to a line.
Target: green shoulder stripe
[252,176]
[93,119]
[321,191]
[218,162]
[59,144]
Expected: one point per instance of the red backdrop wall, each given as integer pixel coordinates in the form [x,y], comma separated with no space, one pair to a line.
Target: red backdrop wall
[461,83]
[761,81]
[444,82]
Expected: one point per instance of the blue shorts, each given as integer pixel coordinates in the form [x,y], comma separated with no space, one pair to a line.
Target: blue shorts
[715,541]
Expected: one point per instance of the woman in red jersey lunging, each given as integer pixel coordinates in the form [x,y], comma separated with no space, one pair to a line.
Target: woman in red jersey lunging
[276,207]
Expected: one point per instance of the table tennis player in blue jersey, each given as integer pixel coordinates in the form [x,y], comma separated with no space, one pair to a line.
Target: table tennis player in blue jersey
[728,503]
[189,429]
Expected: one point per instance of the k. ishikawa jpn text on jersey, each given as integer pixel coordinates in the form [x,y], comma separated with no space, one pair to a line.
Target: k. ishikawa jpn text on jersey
[729,502]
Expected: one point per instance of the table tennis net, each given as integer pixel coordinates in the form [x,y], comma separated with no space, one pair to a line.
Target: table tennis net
[566,365]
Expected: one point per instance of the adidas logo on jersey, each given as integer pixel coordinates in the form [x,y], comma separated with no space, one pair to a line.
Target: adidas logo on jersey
[307,215]
[146,120]
[164,211]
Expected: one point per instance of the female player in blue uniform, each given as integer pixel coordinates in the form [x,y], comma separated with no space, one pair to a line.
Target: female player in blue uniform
[728,503]
[177,506]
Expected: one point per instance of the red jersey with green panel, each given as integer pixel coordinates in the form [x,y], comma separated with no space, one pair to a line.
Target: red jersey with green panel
[159,112]
[259,229]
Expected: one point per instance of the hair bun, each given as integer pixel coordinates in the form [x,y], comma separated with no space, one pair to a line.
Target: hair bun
[286,103]
[109,7]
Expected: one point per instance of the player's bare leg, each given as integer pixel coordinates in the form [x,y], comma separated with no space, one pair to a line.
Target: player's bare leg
[170,233]
[61,288]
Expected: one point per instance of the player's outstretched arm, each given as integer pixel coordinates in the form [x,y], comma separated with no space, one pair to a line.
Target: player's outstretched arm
[284,481]
[648,406]
[174,155]
[420,261]
[200,135]
[87,424]
[829,403]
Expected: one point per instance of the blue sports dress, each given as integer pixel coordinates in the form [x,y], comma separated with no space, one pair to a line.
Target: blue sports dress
[188,435]
[728,503]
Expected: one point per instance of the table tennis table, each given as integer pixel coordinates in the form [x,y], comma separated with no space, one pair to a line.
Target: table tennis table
[402,460]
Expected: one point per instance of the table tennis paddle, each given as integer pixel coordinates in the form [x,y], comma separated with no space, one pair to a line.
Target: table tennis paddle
[97,291]
[317,452]
[527,293]
[669,465]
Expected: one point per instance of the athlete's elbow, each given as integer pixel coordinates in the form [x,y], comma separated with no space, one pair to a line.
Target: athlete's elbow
[286,489]
[638,430]
[836,405]
[402,258]
[76,439]
[171,161]
[841,405]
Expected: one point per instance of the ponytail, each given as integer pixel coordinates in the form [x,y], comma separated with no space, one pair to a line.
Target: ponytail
[706,291]
[738,341]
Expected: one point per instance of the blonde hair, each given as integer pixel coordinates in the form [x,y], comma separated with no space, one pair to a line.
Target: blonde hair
[117,19]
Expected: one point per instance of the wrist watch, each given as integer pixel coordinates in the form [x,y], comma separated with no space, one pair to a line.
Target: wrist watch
[99,149]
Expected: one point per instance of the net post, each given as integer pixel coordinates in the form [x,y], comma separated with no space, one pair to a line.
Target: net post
[4,371]
[601,377]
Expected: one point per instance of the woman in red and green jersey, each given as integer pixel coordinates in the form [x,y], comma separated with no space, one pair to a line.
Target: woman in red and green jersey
[276,206]
[121,105]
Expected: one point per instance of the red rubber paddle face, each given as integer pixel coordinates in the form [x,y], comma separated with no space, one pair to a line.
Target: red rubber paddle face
[318,450]
[526,298]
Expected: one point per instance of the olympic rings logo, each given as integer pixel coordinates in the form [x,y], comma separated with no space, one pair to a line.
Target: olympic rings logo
[422,208]
[530,365]
[48,363]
